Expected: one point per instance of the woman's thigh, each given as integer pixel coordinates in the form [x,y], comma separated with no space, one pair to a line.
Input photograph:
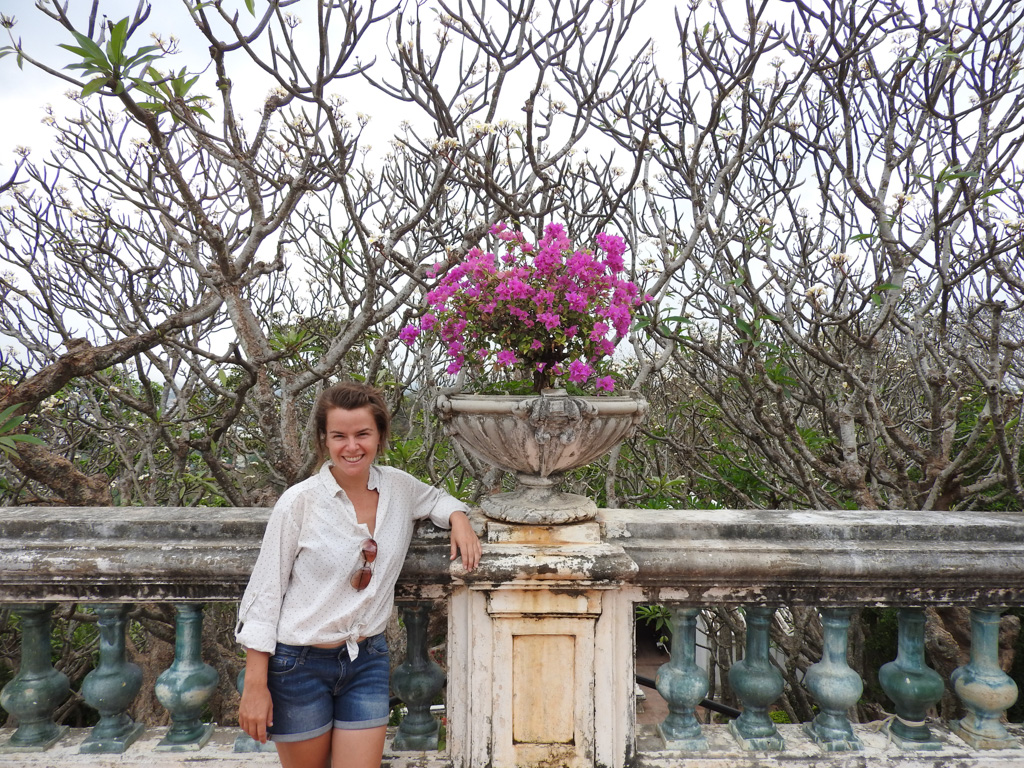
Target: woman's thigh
[311,753]
[357,749]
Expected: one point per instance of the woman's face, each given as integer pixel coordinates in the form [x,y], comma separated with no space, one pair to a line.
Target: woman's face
[352,441]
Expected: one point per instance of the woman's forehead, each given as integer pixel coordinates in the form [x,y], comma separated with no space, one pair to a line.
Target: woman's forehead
[354,420]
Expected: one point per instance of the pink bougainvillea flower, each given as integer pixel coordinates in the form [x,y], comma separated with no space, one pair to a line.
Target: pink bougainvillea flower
[534,306]
[613,247]
[544,298]
[579,371]
[576,300]
[409,334]
[581,262]
[620,317]
[507,357]
[605,384]
[519,289]
[550,320]
[556,231]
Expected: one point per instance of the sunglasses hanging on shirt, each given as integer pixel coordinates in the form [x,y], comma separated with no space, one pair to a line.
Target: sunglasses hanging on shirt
[361,576]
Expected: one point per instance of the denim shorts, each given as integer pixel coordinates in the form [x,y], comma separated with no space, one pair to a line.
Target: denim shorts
[317,689]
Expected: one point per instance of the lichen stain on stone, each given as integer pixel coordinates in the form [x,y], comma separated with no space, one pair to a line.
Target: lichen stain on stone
[558,757]
[570,592]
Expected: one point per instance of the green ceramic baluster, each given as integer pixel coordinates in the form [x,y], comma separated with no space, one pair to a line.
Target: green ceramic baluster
[986,691]
[37,689]
[416,682]
[187,685]
[913,687]
[683,685]
[112,686]
[834,685]
[757,683]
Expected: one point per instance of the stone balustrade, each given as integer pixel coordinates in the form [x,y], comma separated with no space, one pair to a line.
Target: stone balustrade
[111,557]
[541,658]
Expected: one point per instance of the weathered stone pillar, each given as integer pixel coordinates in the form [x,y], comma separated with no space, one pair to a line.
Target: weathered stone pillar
[913,686]
[544,638]
[757,684]
[834,685]
[417,680]
[112,686]
[986,691]
[683,684]
[186,686]
[36,691]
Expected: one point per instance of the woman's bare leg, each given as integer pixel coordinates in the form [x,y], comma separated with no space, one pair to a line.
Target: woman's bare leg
[311,753]
[358,749]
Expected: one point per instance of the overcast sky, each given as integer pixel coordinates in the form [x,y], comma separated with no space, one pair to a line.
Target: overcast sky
[27,92]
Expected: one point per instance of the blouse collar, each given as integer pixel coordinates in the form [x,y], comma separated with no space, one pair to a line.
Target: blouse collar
[329,481]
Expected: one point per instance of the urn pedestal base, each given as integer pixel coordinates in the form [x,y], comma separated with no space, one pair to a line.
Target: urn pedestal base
[545,633]
[538,505]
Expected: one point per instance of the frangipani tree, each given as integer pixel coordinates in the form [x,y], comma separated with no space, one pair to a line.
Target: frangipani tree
[210,267]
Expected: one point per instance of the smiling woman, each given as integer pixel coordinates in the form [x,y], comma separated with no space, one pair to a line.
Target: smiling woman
[350,432]
[313,616]
[352,443]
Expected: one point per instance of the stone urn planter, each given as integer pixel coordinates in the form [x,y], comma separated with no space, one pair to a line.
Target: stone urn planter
[539,437]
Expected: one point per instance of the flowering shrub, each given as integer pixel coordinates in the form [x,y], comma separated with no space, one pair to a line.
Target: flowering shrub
[545,309]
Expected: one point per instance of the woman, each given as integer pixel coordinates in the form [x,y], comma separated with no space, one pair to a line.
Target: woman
[313,615]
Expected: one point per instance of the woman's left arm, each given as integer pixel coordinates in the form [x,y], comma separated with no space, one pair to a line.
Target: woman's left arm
[464,540]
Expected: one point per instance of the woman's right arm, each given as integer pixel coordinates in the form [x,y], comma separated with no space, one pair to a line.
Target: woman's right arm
[260,609]
[256,710]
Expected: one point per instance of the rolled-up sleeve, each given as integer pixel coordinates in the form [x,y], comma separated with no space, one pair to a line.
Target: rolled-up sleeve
[260,609]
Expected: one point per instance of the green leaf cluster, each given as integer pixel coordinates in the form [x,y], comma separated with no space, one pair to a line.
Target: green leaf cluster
[163,90]
[9,439]
[112,65]
[109,66]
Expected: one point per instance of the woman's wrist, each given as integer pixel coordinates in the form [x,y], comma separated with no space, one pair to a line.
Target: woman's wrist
[256,663]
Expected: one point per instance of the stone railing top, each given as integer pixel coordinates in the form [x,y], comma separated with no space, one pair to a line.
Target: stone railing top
[132,523]
[159,553]
[698,556]
[887,557]
[825,526]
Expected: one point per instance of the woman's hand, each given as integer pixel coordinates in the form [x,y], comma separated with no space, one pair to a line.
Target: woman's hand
[256,710]
[465,541]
